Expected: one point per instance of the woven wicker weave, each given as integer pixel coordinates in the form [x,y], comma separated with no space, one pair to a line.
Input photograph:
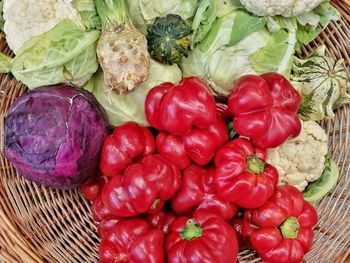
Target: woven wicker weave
[44,225]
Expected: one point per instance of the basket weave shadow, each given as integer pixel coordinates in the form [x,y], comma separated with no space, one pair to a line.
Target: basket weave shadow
[44,225]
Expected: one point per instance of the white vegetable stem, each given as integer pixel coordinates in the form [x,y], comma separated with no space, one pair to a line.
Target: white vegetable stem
[292,40]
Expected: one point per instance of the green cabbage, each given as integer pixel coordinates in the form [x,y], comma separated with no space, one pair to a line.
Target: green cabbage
[65,54]
[311,24]
[144,12]
[151,9]
[233,47]
[228,45]
[315,191]
[203,20]
[226,6]
[88,13]
[130,107]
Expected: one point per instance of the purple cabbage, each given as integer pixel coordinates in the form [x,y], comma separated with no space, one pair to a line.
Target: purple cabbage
[54,135]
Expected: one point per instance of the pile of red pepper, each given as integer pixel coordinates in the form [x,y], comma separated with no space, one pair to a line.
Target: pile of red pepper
[172,194]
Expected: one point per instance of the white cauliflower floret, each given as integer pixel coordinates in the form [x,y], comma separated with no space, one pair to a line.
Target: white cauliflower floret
[286,8]
[302,159]
[27,18]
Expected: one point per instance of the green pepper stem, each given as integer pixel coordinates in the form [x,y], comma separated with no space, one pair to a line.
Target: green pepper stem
[155,203]
[113,14]
[232,131]
[191,230]
[255,165]
[290,228]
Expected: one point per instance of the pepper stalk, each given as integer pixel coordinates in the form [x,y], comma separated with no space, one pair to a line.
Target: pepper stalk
[191,231]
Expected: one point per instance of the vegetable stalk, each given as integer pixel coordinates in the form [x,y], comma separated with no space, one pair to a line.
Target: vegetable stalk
[290,228]
[191,230]
[114,14]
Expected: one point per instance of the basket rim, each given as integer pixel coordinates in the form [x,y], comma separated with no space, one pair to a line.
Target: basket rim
[16,244]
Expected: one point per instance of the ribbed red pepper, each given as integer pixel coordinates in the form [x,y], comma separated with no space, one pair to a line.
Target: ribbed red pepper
[129,142]
[204,237]
[105,225]
[173,148]
[132,240]
[265,109]
[161,220]
[144,187]
[281,231]
[93,187]
[99,211]
[242,176]
[199,145]
[243,241]
[223,112]
[179,108]
[198,191]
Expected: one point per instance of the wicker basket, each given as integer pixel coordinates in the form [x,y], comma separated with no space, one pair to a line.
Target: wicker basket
[44,225]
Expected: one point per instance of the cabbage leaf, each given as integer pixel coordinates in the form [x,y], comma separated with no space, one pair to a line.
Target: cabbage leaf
[203,20]
[224,54]
[65,54]
[130,107]
[239,43]
[153,8]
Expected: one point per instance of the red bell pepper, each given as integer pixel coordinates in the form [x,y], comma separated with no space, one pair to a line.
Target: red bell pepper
[243,240]
[132,240]
[144,187]
[223,112]
[128,143]
[202,144]
[265,109]
[105,225]
[179,108]
[198,191]
[161,220]
[281,231]
[99,211]
[204,237]
[242,176]
[92,188]
[173,148]
[199,145]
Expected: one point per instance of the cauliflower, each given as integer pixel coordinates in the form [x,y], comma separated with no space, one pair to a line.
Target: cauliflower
[27,18]
[302,159]
[286,8]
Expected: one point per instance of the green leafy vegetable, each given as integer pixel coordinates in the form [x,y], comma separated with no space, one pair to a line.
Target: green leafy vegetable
[130,107]
[328,180]
[311,24]
[5,63]
[26,19]
[277,55]
[136,16]
[225,7]
[65,54]
[88,13]
[241,30]
[169,39]
[239,42]
[151,9]
[230,49]
[203,20]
